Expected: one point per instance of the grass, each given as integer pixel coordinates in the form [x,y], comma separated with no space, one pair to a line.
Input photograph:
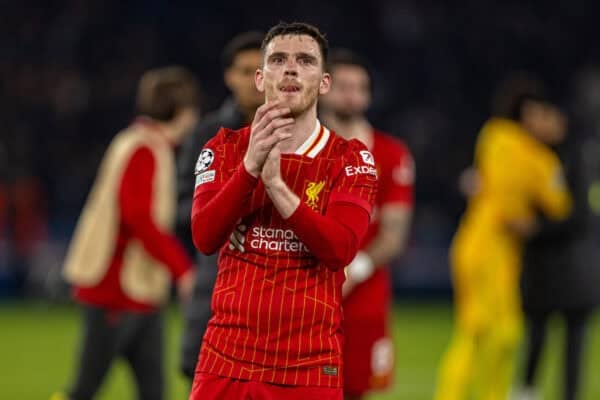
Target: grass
[38,346]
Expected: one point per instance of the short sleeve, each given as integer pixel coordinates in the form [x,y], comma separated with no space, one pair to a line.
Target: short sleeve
[397,176]
[357,179]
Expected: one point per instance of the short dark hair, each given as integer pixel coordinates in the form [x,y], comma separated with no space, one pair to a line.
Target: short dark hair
[251,40]
[163,92]
[514,92]
[343,56]
[298,28]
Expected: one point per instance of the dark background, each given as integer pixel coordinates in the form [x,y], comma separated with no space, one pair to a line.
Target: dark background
[68,70]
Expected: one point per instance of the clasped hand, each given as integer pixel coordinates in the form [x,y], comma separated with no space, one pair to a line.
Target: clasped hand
[269,128]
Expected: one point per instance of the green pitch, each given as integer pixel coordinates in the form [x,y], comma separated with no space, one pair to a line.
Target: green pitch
[38,346]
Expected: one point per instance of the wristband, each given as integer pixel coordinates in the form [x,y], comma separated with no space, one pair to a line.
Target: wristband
[361,268]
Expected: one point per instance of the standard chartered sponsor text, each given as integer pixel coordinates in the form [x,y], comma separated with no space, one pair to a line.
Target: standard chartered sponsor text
[275,239]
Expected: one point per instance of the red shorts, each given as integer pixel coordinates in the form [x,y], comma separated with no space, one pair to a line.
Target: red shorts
[368,349]
[213,387]
[368,356]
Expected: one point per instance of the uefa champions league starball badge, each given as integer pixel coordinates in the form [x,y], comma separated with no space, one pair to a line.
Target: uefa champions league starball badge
[205,159]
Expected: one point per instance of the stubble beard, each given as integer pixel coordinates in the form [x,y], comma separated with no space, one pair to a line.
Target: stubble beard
[345,116]
[301,105]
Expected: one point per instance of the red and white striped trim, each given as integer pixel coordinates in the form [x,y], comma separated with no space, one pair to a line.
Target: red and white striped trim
[315,142]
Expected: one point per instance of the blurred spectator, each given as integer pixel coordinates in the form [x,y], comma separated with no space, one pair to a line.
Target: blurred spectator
[518,175]
[241,58]
[368,345]
[123,253]
[560,273]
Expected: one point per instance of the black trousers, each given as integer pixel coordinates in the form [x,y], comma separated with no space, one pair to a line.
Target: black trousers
[197,315]
[576,323]
[137,337]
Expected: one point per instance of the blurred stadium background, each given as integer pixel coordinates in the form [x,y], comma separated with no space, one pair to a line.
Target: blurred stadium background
[67,75]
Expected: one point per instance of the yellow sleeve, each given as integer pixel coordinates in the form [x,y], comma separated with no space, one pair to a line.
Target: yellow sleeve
[550,189]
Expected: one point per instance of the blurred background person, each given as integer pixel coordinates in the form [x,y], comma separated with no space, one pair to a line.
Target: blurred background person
[24,221]
[518,175]
[123,251]
[561,275]
[241,58]
[368,346]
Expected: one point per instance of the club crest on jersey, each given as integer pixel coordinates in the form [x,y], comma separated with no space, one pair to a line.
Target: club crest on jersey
[313,189]
[367,157]
[205,159]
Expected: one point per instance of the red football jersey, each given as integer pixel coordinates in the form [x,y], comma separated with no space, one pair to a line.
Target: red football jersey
[135,201]
[276,307]
[396,173]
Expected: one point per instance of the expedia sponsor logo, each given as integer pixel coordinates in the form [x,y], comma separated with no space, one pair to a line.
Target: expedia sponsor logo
[360,170]
[273,239]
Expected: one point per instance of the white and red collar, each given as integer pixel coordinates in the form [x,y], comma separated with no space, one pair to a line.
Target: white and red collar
[315,142]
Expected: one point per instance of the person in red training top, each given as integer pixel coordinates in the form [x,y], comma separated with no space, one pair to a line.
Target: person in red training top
[368,350]
[123,253]
[300,199]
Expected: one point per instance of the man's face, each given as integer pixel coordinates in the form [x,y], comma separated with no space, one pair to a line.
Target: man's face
[544,121]
[293,72]
[239,78]
[350,93]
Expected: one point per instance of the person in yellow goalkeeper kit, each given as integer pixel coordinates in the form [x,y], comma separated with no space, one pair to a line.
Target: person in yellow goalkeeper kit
[517,176]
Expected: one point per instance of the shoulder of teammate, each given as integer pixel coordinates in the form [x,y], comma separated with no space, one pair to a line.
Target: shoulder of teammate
[397,169]
[395,154]
[392,144]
